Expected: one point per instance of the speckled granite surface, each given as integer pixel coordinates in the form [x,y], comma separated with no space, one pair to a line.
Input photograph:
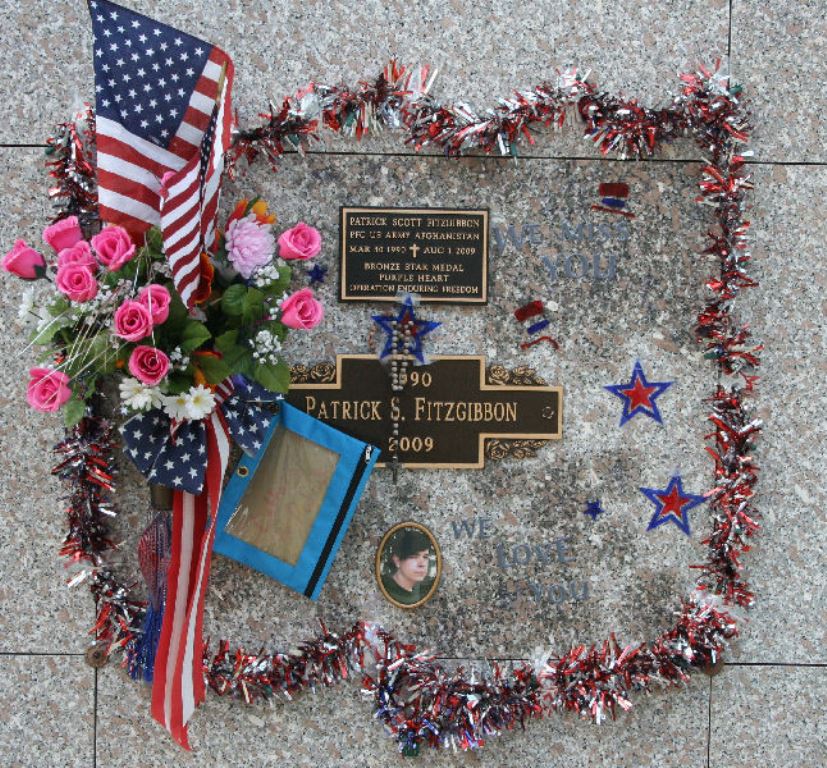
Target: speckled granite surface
[749,715]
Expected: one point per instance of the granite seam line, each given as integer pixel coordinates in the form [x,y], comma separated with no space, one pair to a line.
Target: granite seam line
[343,153]
[95,723]
[729,40]
[709,725]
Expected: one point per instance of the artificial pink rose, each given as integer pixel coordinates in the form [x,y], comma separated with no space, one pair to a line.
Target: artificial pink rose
[156,299]
[22,260]
[148,365]
[114,247]
[79,253]
[76,282]
[132,321]
[48,389]
[300,242]
[301,310]
[63,234]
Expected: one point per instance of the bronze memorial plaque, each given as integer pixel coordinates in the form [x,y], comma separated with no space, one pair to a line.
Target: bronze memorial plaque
[439,254]
[452,413]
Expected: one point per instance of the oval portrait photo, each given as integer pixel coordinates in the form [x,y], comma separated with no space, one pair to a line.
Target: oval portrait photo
[408,565]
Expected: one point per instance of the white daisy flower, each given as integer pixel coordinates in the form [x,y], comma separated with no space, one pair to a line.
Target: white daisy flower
[200,402]
[26,309]
[138,396]
[175,406]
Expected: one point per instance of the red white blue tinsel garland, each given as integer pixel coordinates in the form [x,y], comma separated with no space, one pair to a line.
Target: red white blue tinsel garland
[419,700]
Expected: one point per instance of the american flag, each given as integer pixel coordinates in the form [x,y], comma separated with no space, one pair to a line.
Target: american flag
[163,120]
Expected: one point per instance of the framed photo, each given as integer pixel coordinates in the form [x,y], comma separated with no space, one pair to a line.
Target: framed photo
[408,565]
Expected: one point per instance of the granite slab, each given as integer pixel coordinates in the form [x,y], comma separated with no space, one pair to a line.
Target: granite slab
[787,566]
[279,46]
[779,50]
[38,612]
[333,727]
[768,716]
[48,712]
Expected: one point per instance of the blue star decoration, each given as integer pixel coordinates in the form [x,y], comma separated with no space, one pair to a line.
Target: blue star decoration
[593,509]
[317,274]
[405,319]
[639,395]
[671,504]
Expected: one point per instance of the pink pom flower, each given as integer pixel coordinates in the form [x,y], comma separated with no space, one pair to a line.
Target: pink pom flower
[249,245]
[48,389]
[23,260]
[301,310]
[301,242]
[79,253]
[156,299]
[132,321]
[63,234]
[114,247]
[148,364]
[76,282]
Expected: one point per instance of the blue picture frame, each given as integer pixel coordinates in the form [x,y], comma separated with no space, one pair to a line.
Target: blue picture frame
[355,463]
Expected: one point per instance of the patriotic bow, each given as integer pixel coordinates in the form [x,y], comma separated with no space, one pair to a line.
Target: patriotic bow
[192,457]
[175,454]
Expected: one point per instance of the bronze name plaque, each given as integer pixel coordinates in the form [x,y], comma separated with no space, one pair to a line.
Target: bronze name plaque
[452,413]
[439,254]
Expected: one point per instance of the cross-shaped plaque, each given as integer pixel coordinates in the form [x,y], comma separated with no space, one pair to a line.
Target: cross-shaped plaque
[450,414]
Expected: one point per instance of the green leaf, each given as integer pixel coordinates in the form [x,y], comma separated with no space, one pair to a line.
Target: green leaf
[45,335]
[174,324]
[73,412]
[233,300]
[58,306]
[177,383]
[215,370]
[154,240]
[253,307]
[276,378]
[194,335]
[226,341]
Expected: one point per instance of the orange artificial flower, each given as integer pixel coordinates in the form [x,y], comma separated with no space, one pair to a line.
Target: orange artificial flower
[205,278]
[198,374]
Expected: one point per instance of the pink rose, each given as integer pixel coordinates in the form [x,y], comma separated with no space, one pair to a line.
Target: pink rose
[79,253]
[23,260]
[114,247]
[48,389]
[76,282]
[132,321]
[148,365]
[300,242]
[301,310]
[156,299]
[63,234]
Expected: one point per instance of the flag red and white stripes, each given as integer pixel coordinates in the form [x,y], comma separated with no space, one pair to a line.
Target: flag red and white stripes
[130,167]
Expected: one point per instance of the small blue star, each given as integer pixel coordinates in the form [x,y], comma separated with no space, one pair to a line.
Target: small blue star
[406,319]
[671,504]
[639,395]
[317,274]
[593,509]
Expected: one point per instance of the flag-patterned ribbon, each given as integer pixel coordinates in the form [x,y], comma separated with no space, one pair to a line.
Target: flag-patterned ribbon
[192,458]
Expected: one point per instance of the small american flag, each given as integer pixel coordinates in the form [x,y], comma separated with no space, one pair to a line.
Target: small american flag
[163,121]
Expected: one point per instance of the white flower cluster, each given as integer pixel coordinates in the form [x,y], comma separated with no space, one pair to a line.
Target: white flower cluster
[268,274]
[266,347]
[178,360]
[196,404]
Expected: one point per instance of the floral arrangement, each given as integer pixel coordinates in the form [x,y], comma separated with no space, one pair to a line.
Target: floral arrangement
[113,311]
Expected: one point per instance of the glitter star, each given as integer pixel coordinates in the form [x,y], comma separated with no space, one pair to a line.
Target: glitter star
[639,395]
[317,274]
[671,504]
[405,319]
[593,509]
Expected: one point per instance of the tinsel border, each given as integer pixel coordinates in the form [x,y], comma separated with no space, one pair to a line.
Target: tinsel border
[418,700]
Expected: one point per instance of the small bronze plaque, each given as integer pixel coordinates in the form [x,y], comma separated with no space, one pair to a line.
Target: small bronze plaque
[439,254]
[452,413]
